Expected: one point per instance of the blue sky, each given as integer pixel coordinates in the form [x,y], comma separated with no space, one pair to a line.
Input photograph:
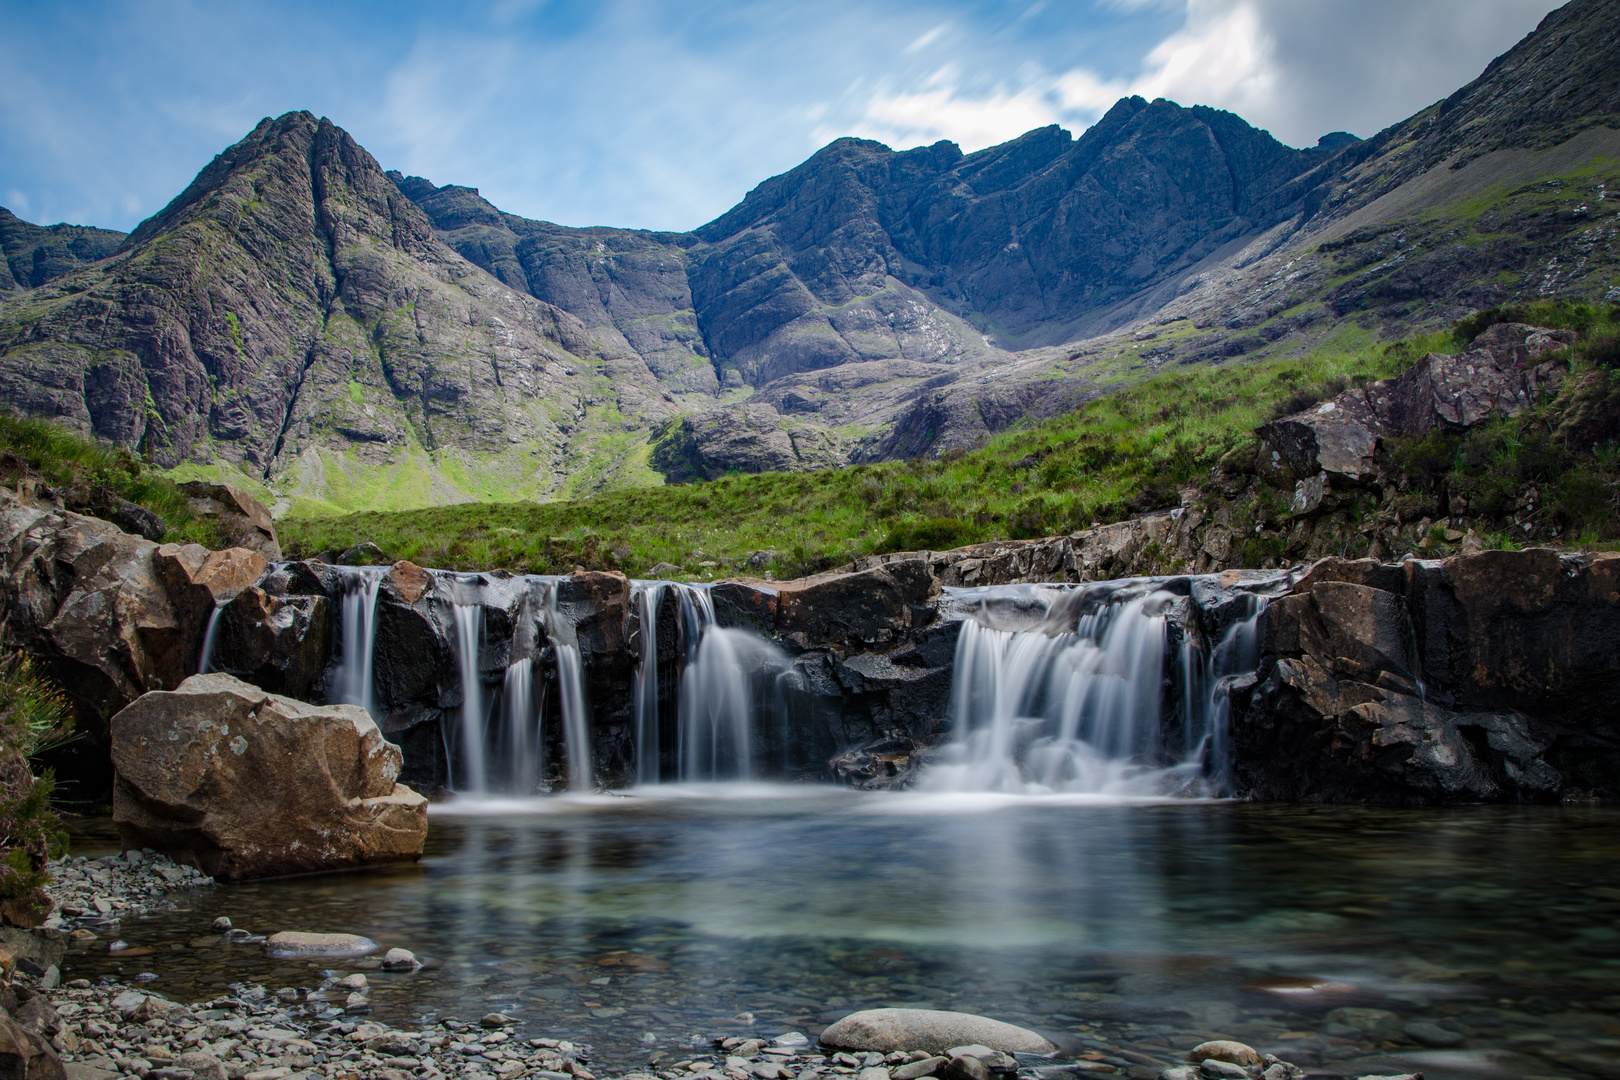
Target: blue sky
[663,114]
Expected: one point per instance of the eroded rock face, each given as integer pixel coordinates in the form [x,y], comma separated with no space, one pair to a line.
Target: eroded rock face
[244,784]
[1472,679]
[1499,375]
[244,520]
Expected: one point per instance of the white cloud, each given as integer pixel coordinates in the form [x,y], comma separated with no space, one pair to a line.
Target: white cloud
[1300,70]
[927,38]
[940,110]
[1224,54]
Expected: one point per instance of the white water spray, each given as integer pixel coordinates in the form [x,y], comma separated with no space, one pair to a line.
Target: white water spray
[647,596]
[1074,704]
[205,662]
[571,691]
[469,620]
[352,682]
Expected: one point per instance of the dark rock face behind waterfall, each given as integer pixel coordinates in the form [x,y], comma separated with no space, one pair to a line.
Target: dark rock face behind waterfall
[1483,677]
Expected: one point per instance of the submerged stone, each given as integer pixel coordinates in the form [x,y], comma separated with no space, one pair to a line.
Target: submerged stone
[1225,1050]
[931,1030]
[298,943]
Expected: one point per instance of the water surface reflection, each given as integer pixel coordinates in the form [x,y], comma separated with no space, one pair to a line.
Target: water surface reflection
[1120,928]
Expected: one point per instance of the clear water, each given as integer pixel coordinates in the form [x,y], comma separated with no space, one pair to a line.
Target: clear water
[1128,931]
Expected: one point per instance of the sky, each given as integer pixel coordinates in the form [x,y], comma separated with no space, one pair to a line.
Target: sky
[662,114]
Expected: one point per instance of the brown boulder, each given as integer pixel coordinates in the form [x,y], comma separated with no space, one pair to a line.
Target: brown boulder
[84,597]
[243,520]
[245,784]
[25,1055]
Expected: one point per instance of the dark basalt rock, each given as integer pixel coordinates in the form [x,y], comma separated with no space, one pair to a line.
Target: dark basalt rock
[1481,677]
[277,643]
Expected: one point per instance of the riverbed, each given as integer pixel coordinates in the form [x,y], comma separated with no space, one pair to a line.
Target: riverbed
[1462,942]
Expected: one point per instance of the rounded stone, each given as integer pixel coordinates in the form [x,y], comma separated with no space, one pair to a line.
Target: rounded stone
[290,943]
[931,1030]
[1234,1053]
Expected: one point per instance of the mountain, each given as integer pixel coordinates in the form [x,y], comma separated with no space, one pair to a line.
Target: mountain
[292,317]
[35,254]
[351,339]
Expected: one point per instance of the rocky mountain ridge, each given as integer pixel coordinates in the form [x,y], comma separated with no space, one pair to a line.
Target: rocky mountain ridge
[346,338]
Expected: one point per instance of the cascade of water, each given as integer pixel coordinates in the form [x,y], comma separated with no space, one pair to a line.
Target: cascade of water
[646,595]
[352,681]
[571,691]
[1237,654]
[717,694]
[522,721]
[469,621]
[1079,710]
[210,639]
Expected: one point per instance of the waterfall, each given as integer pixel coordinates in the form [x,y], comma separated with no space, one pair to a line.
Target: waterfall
[522,722]
[718,692]
[646,595]
[469,619]
[1208,729]
[352,681]
[1075,703]
[210,638]
[571,691]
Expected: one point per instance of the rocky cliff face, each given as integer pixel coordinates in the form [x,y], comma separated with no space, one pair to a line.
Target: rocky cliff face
[35,254]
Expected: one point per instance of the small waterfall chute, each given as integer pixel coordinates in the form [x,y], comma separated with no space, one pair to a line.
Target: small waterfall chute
[205,661]
[1074,703]
[352,682]
[469,626]
[647,596]
[721,685]
[571,694]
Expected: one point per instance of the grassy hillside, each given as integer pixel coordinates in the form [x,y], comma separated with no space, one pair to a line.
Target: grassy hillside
[93,478]
[1126,453]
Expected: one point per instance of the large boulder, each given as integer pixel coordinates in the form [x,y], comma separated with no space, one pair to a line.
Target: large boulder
[933,1031]
[109,616]
[1499,375]
[26,1055]
[221,775]
[243,520]
[85,598]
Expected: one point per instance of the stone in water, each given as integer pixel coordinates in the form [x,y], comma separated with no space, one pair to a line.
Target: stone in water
[299,943]
[930,1030]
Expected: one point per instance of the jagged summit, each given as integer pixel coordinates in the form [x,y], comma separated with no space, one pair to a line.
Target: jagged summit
[293,302]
